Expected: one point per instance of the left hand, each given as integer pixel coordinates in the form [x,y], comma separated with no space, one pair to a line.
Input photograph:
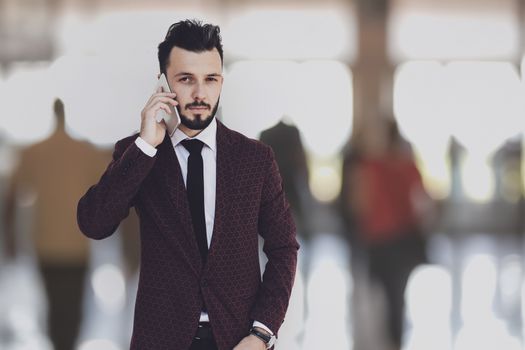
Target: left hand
[251,342]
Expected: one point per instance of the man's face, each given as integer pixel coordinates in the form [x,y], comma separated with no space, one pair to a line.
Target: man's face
[197,79]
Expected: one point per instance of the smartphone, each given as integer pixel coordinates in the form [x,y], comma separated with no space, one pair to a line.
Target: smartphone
[172,119]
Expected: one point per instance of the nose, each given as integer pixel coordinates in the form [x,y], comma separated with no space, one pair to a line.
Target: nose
[199,92]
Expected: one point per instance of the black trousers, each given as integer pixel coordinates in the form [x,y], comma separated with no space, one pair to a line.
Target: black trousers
[391,264]
[203,340]
[64,287]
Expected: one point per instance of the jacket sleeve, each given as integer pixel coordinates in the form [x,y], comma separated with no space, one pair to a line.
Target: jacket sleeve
[277,227]
[107,203]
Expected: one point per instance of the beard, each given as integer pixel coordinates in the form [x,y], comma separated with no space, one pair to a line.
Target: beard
[199,122]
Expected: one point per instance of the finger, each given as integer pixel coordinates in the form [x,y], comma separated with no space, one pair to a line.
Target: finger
[161,105]
[167,100]
[155,96]
[151,112]
[166,103]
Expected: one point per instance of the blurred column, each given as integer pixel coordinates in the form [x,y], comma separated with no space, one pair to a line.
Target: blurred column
[521,14]
[25,30]
[373,73]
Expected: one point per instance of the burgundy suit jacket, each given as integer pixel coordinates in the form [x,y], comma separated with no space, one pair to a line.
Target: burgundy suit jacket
[173,282]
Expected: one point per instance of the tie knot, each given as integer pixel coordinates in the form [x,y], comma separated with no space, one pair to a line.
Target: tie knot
[193,146]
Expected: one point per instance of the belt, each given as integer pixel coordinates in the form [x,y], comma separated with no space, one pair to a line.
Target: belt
[204,331]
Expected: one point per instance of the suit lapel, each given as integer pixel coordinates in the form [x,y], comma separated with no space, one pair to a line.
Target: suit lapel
[224,184]
[176,217]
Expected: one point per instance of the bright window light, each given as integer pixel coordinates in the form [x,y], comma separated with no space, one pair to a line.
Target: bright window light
[523,305]
[109,287]
[324,107]
[510,282]
[478,288]
[418,107]
[477,177]
[104,95]
[418,103]
[290,33]
[486,335]
[480,103]
[316,95]
[485,103]
[451,29]
[126,32]
[26,111]
[325,180]
[329,288]
[429,322]
[426,282]
[257,94]
[99,344]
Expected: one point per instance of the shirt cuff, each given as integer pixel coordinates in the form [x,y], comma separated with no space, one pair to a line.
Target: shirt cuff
[260,325]
[145,147]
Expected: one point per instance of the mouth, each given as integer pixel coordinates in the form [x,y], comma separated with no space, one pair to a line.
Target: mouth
[198,109]
[198,106]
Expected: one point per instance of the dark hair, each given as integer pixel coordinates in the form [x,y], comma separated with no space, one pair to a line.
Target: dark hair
[189,35]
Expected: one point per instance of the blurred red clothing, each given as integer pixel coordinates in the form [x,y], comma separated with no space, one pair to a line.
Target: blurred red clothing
[387,189]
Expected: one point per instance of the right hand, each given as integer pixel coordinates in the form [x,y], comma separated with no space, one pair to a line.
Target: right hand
[151,131]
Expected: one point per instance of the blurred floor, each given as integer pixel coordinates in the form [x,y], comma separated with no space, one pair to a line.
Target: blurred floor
[469,297]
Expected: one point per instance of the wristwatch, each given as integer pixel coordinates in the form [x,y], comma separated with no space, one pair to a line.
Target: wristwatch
[267,338]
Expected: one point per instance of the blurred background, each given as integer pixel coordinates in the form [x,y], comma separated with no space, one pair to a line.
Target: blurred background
[398,127]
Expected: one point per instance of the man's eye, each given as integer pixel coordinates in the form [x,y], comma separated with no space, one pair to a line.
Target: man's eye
[212,79]
[185,79]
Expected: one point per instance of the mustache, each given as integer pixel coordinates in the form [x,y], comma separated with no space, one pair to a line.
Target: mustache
[197,104]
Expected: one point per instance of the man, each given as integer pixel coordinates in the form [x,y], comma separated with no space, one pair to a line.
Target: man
[203,195]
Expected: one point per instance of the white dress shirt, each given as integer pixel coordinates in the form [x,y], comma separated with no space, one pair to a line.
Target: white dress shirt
[209,158]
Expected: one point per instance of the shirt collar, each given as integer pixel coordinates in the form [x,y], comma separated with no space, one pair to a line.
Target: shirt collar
[208,136]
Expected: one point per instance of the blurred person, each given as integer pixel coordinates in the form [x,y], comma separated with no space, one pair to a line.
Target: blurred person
[203,194]
[507,167]
[455,153]
[351,155]
[6,163]
[285,140]
[386,191]
[54,172]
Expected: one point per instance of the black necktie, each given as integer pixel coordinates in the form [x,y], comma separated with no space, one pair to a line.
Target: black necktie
[195,190]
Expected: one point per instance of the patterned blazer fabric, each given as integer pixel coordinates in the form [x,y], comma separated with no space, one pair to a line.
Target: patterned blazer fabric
[249,202]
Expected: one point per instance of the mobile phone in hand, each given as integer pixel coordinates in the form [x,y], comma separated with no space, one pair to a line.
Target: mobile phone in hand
[172,119]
